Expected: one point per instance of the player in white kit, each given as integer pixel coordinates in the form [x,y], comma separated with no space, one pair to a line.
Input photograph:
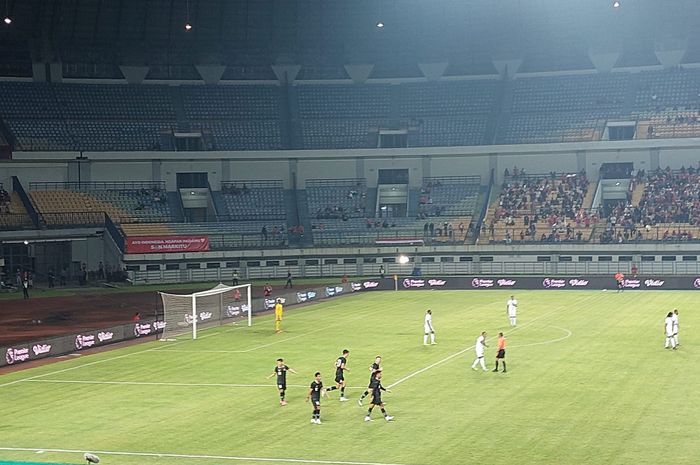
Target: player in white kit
[675,326]
[479,348]
[668,331]
[512,309]
[428,328]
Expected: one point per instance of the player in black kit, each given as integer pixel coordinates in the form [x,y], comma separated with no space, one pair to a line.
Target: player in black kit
[372,370]
[377,389]
[281,371]
[340,370]
[315,393]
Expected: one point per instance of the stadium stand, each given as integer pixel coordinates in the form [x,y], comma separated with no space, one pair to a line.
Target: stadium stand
[337,198]
[563,108]
[252,200]
[451,98]
[341,116]
[13,215]
[671,197]
[123,202]
[340,214]
[543,109]
[113,102]
[546,208]
[230,102]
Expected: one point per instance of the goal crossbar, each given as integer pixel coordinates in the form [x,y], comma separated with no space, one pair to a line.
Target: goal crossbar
[192,317]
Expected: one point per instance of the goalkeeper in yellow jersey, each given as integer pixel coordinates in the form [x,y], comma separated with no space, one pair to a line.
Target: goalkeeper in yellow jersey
[279,310]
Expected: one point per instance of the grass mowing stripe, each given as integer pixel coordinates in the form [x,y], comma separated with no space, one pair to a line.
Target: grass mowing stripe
[197,456]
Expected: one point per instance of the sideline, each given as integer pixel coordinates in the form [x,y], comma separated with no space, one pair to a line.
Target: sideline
[196,456]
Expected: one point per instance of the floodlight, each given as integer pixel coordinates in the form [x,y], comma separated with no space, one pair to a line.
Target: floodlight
[7,20]
[188,26]
[616,4]
[380,24]
[403,259]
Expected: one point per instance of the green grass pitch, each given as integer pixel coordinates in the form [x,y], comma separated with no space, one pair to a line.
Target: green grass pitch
[588,382]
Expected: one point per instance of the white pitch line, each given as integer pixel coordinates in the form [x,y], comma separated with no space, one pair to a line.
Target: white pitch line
[457,354]
[151,383]
[10,383]
[96,362]
[198,456]
[551,341]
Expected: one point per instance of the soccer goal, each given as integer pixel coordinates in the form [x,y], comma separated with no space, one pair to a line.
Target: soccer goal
[185,313]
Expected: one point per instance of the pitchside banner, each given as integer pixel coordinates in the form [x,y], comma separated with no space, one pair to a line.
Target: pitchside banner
[76,342]
[166,244]
[89,339]
[549,283]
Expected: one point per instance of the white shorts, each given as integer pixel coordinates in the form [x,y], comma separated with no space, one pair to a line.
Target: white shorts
[428,329]
[671,334]
[479,353]
[511,315]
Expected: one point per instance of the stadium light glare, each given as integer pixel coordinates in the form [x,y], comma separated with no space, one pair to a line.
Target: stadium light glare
[616,4]
[380,24]
[403,259]
[188,26]
[7,20]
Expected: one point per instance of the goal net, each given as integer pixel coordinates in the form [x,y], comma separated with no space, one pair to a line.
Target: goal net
[189,313]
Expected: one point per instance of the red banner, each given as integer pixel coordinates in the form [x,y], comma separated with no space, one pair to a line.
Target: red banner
[166,244]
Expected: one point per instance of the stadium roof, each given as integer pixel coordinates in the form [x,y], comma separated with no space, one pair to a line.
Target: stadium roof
[322,35]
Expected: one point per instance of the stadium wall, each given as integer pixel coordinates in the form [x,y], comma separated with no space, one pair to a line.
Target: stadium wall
[309,164]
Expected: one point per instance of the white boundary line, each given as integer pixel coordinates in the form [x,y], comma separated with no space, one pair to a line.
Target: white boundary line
[149,383]
[567,335]
[457,354]
[196,456]
[118,357]
[162,347]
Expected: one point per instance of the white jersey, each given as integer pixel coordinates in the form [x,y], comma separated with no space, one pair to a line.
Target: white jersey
[675,323]
[668,323]
[428,325]
[512,307]
[479,346]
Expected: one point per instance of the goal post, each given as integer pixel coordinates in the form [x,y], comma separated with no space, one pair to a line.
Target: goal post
[185,313]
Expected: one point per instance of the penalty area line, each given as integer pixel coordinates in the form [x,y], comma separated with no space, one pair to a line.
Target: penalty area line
[198,456]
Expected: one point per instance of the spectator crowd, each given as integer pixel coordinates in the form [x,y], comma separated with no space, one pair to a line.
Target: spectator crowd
[554,200]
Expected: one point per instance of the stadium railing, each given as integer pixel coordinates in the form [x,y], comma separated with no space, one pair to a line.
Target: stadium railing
[66,220]
[114,232]
[15,221]
[26,201]
[96,185]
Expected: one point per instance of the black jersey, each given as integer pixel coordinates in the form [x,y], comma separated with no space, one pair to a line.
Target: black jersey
[374,368]
[281,374]
[340,366]
[377,388]
[316,387]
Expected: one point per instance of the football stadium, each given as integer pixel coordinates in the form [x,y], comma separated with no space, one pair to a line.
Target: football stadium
[349,232]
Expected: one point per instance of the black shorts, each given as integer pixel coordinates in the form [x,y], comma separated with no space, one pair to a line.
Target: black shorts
[339,379]
[501,353]
[619,284]
[282,386]
[376,400]
[316,402]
